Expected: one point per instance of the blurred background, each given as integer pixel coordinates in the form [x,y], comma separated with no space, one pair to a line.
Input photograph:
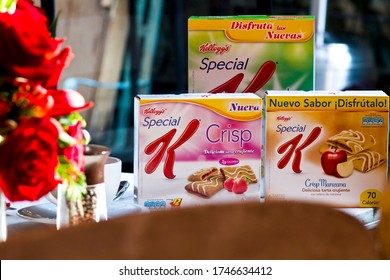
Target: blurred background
[126,47]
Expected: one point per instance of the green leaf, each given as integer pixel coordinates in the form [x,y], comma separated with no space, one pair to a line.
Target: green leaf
[246,179]
[8,6]
[73,179]
[53,25]
[72,119]
[65,140]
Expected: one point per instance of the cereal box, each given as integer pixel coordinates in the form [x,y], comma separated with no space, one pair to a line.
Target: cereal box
[250,53]
[326,147]
[193,149]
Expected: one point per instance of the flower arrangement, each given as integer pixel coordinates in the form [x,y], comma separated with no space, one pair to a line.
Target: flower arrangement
[42,133]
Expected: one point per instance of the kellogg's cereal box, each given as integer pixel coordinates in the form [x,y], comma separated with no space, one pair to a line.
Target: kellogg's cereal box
[326,147]
[193,149]
[250,53]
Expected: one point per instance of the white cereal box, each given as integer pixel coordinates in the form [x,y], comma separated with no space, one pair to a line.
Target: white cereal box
[194,149]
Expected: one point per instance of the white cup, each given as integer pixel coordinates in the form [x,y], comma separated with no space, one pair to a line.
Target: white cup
[112,179]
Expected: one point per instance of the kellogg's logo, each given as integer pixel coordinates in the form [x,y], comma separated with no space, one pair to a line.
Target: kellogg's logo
[283,118]
[213,48]
[154,111]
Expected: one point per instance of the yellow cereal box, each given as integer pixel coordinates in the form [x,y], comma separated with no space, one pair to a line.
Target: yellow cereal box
[326,147]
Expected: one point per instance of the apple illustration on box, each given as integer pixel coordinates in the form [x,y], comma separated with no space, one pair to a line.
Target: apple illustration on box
[336,163]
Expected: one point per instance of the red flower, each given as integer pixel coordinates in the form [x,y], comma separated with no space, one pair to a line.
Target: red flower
[29,159]
[67,102]
[75,153]
[27,49]
[32,99]
[5,107]
[36,152]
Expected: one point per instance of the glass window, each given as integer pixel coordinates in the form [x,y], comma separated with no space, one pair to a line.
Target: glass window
[123,48]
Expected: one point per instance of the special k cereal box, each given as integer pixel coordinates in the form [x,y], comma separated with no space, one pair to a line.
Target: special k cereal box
[326,147]
[193,149]
[250,53]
